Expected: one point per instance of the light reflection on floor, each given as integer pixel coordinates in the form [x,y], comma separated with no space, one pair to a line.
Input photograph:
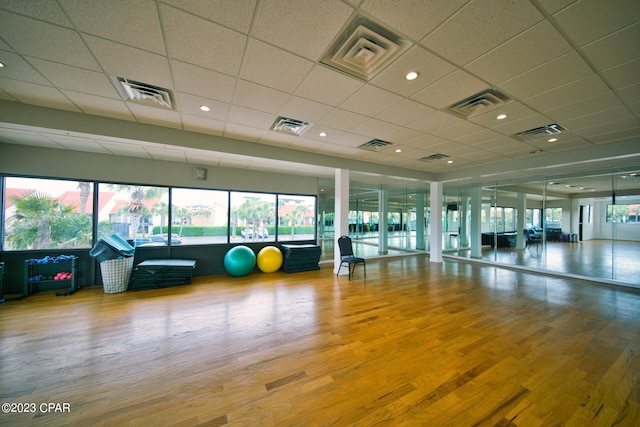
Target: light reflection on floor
[604,259]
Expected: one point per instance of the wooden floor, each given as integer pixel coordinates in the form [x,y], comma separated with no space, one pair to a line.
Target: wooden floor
[416,344]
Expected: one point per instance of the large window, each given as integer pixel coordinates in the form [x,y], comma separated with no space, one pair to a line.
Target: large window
[59,214]
[253,216]
[296,217]
[624,213]
[553,218]
[47,214]
[136,213]
[199,216]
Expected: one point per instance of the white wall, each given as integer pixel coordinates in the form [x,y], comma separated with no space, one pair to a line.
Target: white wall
[45,162]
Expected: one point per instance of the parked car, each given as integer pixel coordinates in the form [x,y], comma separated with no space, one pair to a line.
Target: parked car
[260,233]
[162,238]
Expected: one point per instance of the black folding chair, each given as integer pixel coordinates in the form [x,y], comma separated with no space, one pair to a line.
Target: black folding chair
[347,257]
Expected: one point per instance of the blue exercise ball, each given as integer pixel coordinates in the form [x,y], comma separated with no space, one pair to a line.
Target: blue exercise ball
[239,260]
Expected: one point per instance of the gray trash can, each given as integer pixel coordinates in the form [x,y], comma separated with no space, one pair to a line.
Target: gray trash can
[115,256]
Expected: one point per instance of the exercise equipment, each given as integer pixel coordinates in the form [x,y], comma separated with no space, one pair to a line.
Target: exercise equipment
[239,260]
[269,259]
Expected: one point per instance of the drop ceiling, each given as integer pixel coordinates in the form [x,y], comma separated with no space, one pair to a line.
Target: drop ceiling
[571,63]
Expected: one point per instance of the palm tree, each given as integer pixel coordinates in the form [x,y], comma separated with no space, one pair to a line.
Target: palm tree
[42,222]
[138,194]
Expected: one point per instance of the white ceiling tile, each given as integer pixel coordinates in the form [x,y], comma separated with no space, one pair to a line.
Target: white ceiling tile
[449,90]
[343,120]
[430,67]
[350,140]
[560,71]
[527,50]
[17,136]
[401,135]
[304,27]
[513,110]
[30,93]
[405,112]
[155,115]
[18,69]
[189,79]
[433,122]
[76,79]
[42,40]
[590,106]
[122,149]
[136,64]
[631,95]
[190,104]
[200,42]
[46,10]
[482,25]
[133,23]
[236,14]
[240,131]
[553,6]
[273,67]
[328,86]
[374,128]
[258,97]
[623,75]
[414,18]
[202,125]
[304,109]
[456,130]
[370,101]
[251,118]
[569,93]
[588,20]
[603,117]
[107,107]
[616,49]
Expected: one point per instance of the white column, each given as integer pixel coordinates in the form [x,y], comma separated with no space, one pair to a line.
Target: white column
[476,222]
[420,243]
[521,220]
[435,224]
[341,213]
[383,227]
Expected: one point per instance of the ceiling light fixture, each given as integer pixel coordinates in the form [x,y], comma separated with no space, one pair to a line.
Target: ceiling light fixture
[1,64]
[552,140]
[502,116]
[205,108]
[449,161]
[323,134]
[398,150]
[411,75]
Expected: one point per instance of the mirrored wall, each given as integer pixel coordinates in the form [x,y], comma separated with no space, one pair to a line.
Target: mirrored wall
[584,224]
[574,223]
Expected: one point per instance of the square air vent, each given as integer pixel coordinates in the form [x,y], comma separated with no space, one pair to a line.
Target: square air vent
[480,103]
[143,93]
[542,131]
[434,157]
[375,145]
[290,126]
[364,49]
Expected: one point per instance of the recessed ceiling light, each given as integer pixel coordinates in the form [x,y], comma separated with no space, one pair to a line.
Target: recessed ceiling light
[411,75]
[398,150]
[1,65]
[553,140]
[205,108]
[449,161]
[502,116]
[323,134]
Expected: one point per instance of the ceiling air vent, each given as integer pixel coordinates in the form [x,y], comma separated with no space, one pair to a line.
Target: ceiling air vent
[290,126]
[364,49]
[552,129]
[434,157]
[375,145]
[143,93]
[480,103]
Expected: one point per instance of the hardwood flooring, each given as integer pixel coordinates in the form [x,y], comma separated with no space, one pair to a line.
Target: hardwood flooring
[416,344]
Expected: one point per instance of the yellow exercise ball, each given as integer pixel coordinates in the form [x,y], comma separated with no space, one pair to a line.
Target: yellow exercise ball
[269,259]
